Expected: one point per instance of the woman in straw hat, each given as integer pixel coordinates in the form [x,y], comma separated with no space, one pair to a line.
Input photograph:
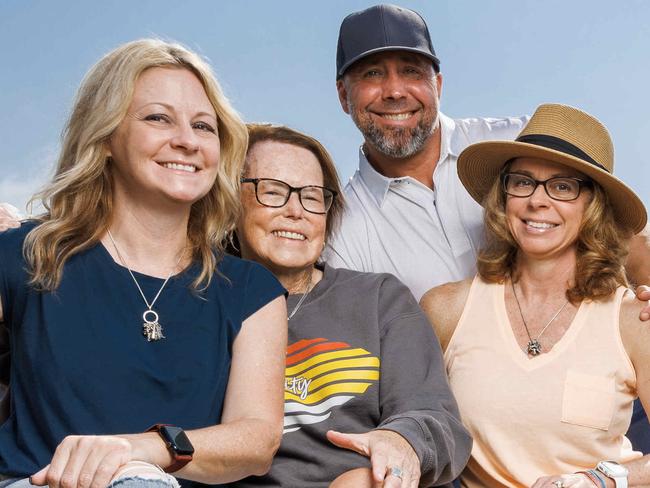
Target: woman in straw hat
[544,348]
[121,308]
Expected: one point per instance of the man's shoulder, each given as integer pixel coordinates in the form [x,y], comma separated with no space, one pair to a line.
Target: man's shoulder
[358,198]
[349,244]
[476,129]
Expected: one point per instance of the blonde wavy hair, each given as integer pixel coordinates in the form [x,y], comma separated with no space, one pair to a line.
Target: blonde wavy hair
[79,199]
[602,247]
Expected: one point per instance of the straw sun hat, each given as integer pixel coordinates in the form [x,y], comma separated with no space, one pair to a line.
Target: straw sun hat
[563,135]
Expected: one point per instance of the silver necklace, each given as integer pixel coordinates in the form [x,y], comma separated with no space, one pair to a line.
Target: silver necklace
[151,328]
[302,299]
[534,348]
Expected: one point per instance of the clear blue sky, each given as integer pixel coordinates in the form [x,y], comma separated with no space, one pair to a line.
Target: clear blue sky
[275,61]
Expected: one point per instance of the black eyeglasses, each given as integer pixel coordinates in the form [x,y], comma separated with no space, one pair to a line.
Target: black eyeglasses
[276,193]
[563,188]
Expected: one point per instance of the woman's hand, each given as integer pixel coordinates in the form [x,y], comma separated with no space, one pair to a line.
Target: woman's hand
[577,480]
[387,450]
[85,462]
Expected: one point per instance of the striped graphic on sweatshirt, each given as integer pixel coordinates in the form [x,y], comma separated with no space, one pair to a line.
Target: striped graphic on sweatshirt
[321,375]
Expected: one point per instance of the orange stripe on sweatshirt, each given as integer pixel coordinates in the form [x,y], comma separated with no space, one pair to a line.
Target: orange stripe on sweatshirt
[328,346]
[303,343]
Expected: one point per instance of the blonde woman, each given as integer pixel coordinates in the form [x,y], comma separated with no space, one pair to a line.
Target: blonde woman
[122,311]
[545,348]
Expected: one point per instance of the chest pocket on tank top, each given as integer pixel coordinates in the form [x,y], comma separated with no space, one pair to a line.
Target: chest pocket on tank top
[588,400]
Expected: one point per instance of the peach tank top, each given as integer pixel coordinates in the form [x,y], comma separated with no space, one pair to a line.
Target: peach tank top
[560,412]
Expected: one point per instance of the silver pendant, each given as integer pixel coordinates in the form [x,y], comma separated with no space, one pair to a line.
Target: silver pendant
[151,329]
[534,347]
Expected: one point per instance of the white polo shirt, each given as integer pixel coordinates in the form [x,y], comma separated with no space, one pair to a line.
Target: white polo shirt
[398,225]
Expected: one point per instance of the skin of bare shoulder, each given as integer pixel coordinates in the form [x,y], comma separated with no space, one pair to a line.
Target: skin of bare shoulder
[443,306]
[636,339]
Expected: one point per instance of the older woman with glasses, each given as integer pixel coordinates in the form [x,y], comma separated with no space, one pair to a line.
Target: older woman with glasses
[360,357]
[545,349]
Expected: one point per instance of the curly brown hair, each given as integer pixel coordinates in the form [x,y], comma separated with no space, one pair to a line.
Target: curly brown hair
[602,246]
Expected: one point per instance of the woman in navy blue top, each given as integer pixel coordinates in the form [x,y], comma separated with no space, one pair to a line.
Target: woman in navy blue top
[120,307]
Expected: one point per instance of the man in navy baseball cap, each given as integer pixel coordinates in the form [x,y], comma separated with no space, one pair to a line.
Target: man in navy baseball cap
[406,199]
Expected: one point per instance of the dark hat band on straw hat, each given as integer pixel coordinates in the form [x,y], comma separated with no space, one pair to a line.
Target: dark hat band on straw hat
[557,144]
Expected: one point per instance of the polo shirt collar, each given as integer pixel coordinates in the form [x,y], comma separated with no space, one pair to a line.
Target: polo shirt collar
[377,183]
[448,143]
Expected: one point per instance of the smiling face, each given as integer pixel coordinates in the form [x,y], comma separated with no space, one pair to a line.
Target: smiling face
[393,98]
[541,226]
[287,239]
[167,148]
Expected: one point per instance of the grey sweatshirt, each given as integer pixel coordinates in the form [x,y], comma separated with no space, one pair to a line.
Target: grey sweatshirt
[362,356]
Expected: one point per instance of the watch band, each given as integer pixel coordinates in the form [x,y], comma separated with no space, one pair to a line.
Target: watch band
[179,460]
[614,471]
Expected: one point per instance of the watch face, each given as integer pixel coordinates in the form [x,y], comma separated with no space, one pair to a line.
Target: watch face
[177,439]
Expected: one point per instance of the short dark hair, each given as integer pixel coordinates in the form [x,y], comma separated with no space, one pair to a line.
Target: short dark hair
[280,133]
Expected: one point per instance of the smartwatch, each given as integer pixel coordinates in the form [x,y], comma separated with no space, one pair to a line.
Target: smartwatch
[614,471]
[178,444]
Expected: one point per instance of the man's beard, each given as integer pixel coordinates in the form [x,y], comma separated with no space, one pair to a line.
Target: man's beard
[397,143]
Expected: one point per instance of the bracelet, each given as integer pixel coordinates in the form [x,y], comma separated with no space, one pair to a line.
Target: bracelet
[594,477]
[601,480]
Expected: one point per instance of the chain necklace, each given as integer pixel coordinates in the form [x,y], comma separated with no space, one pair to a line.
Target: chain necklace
[302,299]
[534,348]
[151,328]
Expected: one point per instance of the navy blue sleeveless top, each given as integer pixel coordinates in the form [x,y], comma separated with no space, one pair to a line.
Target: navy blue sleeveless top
[79,361]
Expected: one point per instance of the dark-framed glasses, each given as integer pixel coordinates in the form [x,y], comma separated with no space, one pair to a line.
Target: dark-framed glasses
[563,188]
[276,193]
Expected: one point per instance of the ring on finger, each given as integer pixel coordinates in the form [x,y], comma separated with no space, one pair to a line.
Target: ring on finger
[397,472]
[559,483]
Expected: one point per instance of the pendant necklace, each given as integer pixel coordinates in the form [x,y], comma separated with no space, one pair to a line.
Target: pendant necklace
[534,348]
[302,299]
[151,328]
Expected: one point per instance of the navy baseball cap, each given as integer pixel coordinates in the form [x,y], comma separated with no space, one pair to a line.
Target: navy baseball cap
[382,28]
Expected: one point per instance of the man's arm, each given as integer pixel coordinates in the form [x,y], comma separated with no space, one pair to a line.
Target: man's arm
[638,268]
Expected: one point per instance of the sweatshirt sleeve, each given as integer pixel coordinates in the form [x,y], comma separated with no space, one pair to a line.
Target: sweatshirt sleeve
[416,401]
